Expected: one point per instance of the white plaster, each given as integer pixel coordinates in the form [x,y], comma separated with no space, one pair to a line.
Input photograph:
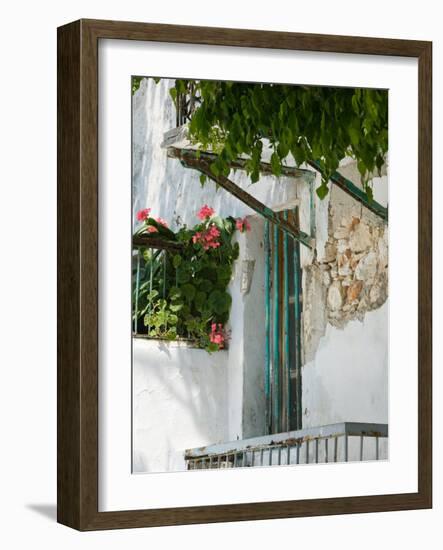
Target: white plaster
[179,402]
[347,381]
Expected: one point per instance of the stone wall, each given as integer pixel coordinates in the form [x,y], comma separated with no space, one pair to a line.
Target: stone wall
[350,277]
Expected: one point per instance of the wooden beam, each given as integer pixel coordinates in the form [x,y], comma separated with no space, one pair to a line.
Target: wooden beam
[177,138]
[191,159]
[155,242]
[355,192]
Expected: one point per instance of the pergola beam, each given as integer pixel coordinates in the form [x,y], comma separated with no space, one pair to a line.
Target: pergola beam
[191,159]
[355,192]
[155,242]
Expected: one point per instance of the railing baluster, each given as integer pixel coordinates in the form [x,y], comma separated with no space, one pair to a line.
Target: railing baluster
[150,283]
[276,332]
[286,347]
[361,447]
[137,291]
[267,244]
[164,273]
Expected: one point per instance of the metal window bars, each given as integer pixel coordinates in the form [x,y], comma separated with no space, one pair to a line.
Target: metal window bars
[150,270]
[342,442]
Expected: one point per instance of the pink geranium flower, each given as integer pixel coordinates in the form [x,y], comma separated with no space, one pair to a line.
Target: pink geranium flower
[161,221]
[217,335]
[242,224]
[207,238]
[205,212]
[143,215]
[152,229]
[196,238]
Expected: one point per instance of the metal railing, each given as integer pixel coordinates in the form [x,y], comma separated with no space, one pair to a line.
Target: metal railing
[152,270]
[343,442]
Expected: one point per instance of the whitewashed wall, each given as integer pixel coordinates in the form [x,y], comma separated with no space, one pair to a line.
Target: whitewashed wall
[179,401]
[347,381]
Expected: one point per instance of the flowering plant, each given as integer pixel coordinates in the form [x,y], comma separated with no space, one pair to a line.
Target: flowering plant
[184,294]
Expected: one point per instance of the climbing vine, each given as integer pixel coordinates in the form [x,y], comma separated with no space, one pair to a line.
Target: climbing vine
[183,294]
[312,123]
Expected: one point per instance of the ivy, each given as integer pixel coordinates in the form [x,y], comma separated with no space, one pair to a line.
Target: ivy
[135,83]
[187,296]
[311,123]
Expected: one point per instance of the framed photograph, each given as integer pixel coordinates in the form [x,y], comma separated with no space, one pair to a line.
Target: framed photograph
[244,275]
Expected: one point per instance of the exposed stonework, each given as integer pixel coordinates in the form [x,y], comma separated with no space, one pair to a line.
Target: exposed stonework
[351,277]
[358,276]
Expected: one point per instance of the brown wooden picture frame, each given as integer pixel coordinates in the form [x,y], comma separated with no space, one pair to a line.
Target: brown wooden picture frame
[77,455]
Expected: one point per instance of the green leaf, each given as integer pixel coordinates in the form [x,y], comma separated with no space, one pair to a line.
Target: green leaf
[220,301]
[212,347]
[205,285]
[224,273]
[369,193]
[275,164]
[188,291]
[176,260]
[172,319]
[176,307]
[322,190]
[152,295]
[183,273]
[200,301]
[174,293]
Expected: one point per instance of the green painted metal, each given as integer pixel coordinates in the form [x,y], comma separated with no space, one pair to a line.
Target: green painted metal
[150,278]
[137,290]
[286,334]
[358,194]
[276,333]
[312,224]
[297,315]
[267,384]
[164,273]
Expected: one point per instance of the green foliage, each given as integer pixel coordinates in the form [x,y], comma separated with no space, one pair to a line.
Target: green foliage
[182,293]
[135,83]
[311,123]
